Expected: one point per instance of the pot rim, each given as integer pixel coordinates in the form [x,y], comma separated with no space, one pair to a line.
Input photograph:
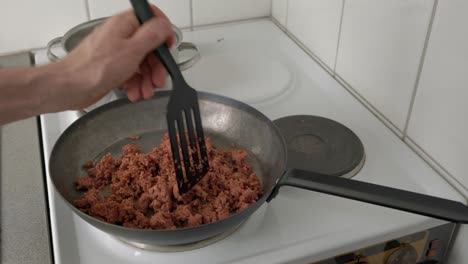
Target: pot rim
[94,22]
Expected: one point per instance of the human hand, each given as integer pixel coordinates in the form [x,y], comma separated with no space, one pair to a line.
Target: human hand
[117,53]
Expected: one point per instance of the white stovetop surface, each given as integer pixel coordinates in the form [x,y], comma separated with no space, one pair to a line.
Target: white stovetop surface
[298,226]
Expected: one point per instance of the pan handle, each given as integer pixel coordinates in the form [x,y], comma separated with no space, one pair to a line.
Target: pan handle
[375,194]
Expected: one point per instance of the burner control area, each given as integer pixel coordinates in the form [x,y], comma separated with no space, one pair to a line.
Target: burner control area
[425,247]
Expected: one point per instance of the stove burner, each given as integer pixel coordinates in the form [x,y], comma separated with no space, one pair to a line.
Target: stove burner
[183,247]
[321,145]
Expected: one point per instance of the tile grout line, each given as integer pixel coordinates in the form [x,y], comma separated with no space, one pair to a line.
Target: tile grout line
[309,52]
[339,38]
[231,22]
[191,15]
[271,8]
[369,106]
[278,24]
[381,117]
[88,10]
[420,68]
[332,72]
[435,165]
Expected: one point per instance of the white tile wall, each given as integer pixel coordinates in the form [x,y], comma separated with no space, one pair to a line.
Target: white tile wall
[380,50]
[214,11]
[43,20]
[439,121]
[279,10]
[26,24]
[316,24]
[178,11]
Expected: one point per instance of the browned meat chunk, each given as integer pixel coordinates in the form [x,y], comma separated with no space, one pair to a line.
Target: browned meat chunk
[84,183]
[162,220]
[140,221]
[107,210]
[88,199]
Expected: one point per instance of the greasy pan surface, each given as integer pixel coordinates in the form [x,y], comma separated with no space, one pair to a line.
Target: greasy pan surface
[106,129]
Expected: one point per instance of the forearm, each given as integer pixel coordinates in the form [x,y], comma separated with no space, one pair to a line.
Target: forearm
[115,54]
[26,92]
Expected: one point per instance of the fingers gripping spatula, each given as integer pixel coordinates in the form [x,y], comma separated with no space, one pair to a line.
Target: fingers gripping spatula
[183,117]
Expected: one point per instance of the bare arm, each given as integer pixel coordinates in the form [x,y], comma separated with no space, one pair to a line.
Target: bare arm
[115,54]
[26,92]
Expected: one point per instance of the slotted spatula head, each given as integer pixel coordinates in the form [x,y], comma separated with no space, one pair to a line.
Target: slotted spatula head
[184,122]
[183,117]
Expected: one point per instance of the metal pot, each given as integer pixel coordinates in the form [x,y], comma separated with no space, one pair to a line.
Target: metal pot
[75,35]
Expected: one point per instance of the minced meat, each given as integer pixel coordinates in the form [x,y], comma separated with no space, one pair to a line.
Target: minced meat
[141,189]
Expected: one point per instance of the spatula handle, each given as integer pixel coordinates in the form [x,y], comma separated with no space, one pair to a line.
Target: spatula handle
[144,13]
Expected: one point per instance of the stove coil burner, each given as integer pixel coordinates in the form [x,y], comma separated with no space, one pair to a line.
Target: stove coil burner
[183,247]
[321,145]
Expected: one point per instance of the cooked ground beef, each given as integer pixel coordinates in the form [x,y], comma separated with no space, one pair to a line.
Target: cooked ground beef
[141,190]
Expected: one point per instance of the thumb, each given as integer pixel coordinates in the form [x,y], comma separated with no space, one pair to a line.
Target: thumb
[152,34]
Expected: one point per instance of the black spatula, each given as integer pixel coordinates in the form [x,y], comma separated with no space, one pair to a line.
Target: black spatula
[183,113]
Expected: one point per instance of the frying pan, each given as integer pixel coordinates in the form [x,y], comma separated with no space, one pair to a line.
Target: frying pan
[225,121]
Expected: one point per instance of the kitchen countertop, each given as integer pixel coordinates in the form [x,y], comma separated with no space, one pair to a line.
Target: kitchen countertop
[23,213]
